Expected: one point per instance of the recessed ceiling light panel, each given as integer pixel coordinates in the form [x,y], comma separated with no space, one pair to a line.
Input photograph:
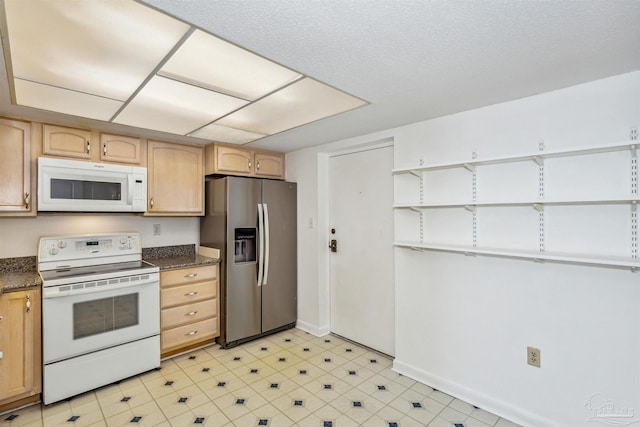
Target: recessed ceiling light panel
[100,47]
[170,106]
[211,62]
[65,101]
[300,103]
[226,134]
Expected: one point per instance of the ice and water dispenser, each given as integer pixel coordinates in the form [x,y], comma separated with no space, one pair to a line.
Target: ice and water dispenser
[245,245]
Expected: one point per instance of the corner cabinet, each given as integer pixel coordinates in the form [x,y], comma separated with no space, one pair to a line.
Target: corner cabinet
[189,308]
[20,359]
[576,205]
[17,169]
[230,160]
[175,179]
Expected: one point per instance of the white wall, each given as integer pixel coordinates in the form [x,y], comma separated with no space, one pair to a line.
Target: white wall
[19,236]
[463,323]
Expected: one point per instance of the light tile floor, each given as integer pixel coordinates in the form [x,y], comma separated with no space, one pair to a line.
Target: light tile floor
[288,379]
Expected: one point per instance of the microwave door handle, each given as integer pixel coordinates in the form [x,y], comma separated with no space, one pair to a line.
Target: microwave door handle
[130,189]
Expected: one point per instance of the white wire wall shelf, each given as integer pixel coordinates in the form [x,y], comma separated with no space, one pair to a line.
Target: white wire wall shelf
[532,203]
[606,261]
[537,156]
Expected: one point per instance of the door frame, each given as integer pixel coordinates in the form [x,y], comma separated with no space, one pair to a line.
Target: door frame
[324,260]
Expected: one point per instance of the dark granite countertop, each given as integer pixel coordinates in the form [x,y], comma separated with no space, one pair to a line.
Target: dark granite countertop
[18,273]
[167,257]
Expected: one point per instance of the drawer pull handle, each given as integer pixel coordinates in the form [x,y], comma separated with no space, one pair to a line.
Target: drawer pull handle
[190,294]
[188,334]
[191,313]
[190,276]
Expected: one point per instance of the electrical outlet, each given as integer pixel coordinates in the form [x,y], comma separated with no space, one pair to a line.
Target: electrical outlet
[156,229]
[533,356]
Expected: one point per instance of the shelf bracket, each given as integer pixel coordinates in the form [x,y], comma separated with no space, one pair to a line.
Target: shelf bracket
[539,260]
[539,160]
[470,253]
[634,230]
[539,207]
[634,269]
[470,167]
[634,170]
[470,208]
[416,173]
[413,208]
[414,248]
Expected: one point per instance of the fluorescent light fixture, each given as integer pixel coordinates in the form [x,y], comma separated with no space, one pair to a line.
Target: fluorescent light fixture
[302,102]
[213,63]
[226,134]
[170,106]
[121,61]
[65,101]
[100,47]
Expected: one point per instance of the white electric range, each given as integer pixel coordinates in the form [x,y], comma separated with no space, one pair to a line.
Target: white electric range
[100,312]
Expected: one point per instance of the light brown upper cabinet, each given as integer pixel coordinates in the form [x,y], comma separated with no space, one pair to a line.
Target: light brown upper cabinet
[175,179]
[17,169]
[269,165]
[66,142]
[121,149]
[232,160]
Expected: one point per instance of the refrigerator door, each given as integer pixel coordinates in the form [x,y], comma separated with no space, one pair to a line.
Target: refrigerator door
[279,289]
[242,293]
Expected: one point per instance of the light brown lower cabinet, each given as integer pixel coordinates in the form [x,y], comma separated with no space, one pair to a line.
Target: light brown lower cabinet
[189,308]
[20,343]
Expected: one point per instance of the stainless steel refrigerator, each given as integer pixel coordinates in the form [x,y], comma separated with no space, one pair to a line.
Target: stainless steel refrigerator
[253,223]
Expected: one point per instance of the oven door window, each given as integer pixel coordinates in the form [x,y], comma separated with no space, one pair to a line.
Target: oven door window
[74,189]
[104,315]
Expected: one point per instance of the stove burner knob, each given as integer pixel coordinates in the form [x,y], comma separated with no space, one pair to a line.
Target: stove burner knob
[53,250]
[62,244]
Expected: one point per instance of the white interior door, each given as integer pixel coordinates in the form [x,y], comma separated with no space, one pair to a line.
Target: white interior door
[361,213]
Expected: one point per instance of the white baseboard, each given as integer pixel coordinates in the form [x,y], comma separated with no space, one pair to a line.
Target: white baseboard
[503,409]
[313,329]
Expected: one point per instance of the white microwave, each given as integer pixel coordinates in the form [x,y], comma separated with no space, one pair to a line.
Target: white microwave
[77,186]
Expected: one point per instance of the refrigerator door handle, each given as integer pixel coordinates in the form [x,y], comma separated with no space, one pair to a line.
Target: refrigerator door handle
[266,244]
[260,244]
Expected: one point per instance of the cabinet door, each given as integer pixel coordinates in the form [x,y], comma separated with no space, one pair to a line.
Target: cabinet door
[19,338]
[15,167]
[120,149]
[235,161]
[66,142]
[175,179]
[269,165]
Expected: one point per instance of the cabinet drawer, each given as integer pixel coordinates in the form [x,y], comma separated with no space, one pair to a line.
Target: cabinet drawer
[188,313]
[185,335]
[187,275]
[187,294]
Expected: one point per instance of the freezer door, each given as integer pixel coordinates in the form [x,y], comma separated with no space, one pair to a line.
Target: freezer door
[279,289]
[242,293]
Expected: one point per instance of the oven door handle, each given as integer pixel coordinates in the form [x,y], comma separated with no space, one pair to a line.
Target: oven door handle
[74,290]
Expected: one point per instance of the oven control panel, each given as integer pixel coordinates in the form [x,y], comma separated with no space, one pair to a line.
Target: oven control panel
[85,249]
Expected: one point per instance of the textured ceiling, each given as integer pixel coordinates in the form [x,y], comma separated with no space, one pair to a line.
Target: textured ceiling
[415,60]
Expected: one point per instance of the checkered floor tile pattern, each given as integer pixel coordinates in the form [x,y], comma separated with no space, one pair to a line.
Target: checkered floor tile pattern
[288,379]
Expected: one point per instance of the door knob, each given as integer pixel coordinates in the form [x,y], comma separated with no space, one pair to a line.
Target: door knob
[333,245]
